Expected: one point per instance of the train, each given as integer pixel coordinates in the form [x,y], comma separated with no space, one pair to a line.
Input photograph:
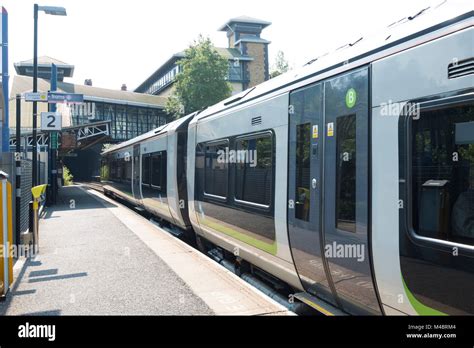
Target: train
[350,179]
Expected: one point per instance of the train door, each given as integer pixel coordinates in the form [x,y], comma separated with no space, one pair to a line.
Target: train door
[136,189]
[304,190]
[345,191]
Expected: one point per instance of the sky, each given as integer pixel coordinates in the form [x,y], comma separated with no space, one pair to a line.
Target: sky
[114,42]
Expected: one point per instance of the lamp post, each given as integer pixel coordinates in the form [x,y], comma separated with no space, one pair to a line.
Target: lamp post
[55,11]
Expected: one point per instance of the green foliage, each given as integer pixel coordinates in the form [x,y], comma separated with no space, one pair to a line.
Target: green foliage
[105,147]
[104,172]
[467,152]
[280,66]
[202,81]
[67,176]
[174,106]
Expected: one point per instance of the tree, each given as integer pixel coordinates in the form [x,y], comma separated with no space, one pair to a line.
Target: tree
[202,81]
[106,146]
[280,66]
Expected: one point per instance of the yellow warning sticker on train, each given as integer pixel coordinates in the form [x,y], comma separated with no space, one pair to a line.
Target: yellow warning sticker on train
[330,129]
[315,132]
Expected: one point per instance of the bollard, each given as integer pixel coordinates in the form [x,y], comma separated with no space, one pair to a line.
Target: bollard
[6,235]
[37,192]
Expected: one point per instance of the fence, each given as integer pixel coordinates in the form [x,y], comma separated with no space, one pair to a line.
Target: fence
[7,164]
[26,174]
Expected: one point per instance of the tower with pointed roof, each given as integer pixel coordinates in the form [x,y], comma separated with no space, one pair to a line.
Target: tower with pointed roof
[243,33]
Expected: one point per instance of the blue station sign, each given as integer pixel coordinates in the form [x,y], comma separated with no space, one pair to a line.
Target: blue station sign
[72,98]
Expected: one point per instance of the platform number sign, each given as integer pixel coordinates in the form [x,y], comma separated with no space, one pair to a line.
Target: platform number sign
[50,121]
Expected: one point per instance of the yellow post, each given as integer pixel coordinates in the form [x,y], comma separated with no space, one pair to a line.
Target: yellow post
[6,235]
[2,240]
[10,231]
[36,191]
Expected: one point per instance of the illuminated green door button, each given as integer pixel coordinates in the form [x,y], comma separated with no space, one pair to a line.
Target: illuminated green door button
[351,98]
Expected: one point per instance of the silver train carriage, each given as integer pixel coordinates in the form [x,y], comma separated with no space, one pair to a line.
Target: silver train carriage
[350,179]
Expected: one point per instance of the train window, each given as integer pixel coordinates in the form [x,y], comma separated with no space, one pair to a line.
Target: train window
[120,166]
[303,165]
[146,170]
[127,169]
[346,173]
[442,142]
[113,169]
[216,169]
[254,169]
[158,171]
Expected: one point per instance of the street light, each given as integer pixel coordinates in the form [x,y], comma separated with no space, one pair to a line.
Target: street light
[55,11]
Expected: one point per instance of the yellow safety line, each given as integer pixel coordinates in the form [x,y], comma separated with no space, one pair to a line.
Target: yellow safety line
[317,307]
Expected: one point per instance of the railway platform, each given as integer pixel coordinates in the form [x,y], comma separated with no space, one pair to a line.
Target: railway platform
[98,257]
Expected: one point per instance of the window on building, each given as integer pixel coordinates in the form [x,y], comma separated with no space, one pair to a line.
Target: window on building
[108,112]
[216,169]
[163,81]
[442,142]
[163,119]
[235,71]
[120,123]
[132,122]
[154,119]
[254,169]
[142,121]
[98,111]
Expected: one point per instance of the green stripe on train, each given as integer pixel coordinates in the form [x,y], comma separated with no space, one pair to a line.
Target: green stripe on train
[420,308]
[269,248]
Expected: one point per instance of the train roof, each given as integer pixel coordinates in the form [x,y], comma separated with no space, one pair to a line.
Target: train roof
[428,19]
